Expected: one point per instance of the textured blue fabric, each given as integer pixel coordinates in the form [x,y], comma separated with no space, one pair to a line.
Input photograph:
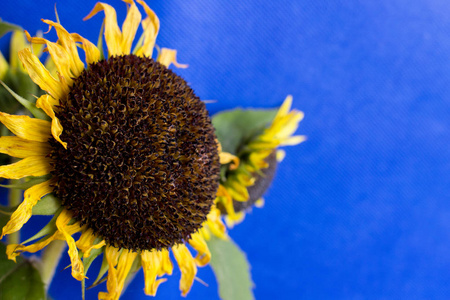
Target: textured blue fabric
[360,210]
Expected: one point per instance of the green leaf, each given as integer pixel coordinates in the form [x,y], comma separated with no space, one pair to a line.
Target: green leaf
[232,270]
[6,27]
[37,112]
[19,280]
[48,205]
[236,127]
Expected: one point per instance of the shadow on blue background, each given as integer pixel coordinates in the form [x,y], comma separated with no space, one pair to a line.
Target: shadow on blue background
[360,210]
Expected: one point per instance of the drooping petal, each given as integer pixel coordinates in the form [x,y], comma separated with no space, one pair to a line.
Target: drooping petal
[124,264]
[169,56]
[187,266]
[41,76]
[17,147]
[86,242]
[29,166]
[203,254]
[130,26]
[62,225]
[26,127]
[151,28]
[23,213]
[113,36]
[66,40]
[226,158]
[14,250]
[46,103]
[112,257]
[91,51]
[62,61]
[153,264]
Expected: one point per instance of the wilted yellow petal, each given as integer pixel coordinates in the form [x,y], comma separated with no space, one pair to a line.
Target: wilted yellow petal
[46,103]
[169,56]
[187,266]
[86,242]
[130,26]
[226,158]
[203,254]
[29,166]
[215,224]
[62,61]
[66,40]
[14,250]
[151,28]
[23,213]
[92,52]
[152,263]
[17,147]
[41,76]
[62,225]
[124,264]
[113,36]
[26,127]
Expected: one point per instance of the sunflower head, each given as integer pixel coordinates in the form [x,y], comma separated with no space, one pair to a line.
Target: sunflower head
[141,164]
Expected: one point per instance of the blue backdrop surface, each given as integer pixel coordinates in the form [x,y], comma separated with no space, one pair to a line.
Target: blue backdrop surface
[358,211]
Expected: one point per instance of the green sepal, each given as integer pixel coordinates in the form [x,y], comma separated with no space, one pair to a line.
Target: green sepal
[26,185]
[93,255]
[48,229]
[6,27]
[100,42]
[37,112]
[19,280]
[235,128]
[231,268]
[48,205]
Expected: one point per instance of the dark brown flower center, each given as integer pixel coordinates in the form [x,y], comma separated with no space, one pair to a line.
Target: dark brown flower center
[141,167]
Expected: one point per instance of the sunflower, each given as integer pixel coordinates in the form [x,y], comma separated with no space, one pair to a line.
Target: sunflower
[129,150]
[252,170]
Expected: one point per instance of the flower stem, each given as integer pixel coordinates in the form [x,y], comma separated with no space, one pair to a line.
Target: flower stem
[50,259]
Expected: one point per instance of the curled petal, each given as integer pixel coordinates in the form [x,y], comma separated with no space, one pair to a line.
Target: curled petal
[86,242]
[151,28]
[226,158]
[23,213]
[155,264]
[169,56]
[203,254]
[62,225]
[187,266]
[113,36]
[47,103]
[92,52]
[130,26]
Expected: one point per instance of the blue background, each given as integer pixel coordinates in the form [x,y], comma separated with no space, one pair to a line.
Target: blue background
[360,210]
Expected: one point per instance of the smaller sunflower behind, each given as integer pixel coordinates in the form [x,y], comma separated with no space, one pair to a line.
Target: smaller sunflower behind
[129,151]
[252,156]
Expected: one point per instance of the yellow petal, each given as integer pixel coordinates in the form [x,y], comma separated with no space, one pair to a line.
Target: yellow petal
[17,147]
[29,166]
[17,43]
[26,127]
[281,154]
[62,225]
[130,26]
[187,266]
[41,76]
[284,108]
[215,223]
[23,213]
[169,56]
[151,28]
[152,262]
[124,264]
[293,140]
[203,254]
[66,40]
[112,257]
[226,158]
[113,36]
[92,52]
[86,242]
[14,250]
[46,103]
